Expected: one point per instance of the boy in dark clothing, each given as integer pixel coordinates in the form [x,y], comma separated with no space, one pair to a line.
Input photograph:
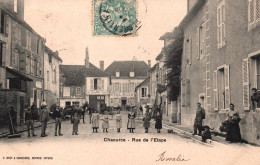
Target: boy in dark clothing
[29,119]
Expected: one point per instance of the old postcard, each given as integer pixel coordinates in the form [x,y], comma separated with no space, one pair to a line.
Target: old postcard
[130,82]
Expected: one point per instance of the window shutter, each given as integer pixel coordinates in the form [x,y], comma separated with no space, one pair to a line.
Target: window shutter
[215,86]
[257,9]
[188,92]
[198,42]
[245,78]
[183,93]
[102,84]
[251,11]
[190,50]
[22,61]
[218,29]
[227,89]
[92,84]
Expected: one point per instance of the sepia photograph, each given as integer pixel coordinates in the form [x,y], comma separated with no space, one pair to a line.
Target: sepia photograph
[115,82]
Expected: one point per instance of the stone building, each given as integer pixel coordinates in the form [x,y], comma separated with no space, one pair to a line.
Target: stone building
[220,62]
[81,83]
[125,76]
[142,93]
[51,83]
[21,60]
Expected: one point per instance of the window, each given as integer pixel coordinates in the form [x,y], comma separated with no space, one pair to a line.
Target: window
[116,87]
[48,76]
[132,74]
[144,92]
[78,91]
[2,28]
[253,13]
[221,88]
[68,103]
[188,50]
[117,74]
[75,103]
[221,24]
[15,58]
[124,87]
[97,84]
[28,40]
[38,46]
[102,84]
[132,87]
[200,41]
[54,74]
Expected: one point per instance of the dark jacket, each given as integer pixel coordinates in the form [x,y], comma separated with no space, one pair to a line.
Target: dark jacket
[29,116]
[57,114]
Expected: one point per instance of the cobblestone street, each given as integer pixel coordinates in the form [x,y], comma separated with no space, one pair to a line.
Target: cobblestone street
[96,150]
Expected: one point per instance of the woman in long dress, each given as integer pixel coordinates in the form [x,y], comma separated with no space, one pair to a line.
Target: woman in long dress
[118,121]
[105,123]
[95,121]
[233,130]
[158,123]
[131,121]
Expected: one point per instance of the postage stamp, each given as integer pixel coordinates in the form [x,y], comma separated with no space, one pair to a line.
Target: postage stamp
[115,17]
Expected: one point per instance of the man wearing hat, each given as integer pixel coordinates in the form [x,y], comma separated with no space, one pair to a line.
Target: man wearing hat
[29,121]
[57,116]
[200,115]
[44,117]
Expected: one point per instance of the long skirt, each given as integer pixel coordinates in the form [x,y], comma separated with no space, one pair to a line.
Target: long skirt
[158,124]
[95,123]
[131,124]
[105,124]
[233,133]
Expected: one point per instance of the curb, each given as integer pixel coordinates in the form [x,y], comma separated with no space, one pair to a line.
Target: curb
[25,129]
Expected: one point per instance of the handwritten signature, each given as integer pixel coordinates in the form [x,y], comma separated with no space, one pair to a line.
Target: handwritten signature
[179,158]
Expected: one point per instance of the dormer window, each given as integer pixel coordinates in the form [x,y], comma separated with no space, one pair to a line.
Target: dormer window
[132,74]
[117,74]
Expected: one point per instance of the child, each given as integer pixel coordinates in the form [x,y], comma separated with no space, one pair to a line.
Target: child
[95,121]
[118,121]
[75,121]
[105,123]
[158,123]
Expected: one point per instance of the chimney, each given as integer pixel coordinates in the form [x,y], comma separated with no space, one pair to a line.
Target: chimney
[87,58]
[101,65]
[20,9]
[149,64]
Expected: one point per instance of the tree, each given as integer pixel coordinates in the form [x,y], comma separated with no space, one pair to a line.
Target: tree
[173,64]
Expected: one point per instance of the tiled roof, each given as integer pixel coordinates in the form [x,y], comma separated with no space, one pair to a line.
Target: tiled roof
[147,80]
[124,67]
[75,74]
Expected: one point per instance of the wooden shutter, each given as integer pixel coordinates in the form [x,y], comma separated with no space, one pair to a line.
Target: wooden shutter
[251,11]
[188,92]
[102,84]
[22,61]
[245,78]
[92,84]
[215,88]
[218,25]
[198,42]
[227,88]
[183,92]
[190,50]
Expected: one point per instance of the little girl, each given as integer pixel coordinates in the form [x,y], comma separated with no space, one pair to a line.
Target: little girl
[118,121]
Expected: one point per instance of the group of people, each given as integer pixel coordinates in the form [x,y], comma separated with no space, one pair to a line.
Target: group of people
[232,122]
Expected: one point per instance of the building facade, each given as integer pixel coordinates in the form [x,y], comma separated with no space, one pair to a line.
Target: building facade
[84,83]
[142,93]
[125,76]
[51,77]
[220,62]
[21,60]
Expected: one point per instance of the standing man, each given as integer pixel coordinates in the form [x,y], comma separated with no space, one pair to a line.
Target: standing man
[200,115]
[44,117]
[29,119]
[58,117]
[85,108]
[254,99]
[12,120]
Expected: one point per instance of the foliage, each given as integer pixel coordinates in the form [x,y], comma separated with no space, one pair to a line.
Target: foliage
[173,64]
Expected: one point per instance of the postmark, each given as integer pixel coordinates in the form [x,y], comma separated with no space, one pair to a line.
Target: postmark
[115,18]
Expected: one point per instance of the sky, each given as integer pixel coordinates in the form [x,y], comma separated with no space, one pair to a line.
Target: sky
[67,27]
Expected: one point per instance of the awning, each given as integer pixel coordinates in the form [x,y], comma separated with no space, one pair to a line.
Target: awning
[14,73]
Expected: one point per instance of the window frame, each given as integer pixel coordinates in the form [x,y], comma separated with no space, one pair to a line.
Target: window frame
[78,90]
[221,26]
[145,94]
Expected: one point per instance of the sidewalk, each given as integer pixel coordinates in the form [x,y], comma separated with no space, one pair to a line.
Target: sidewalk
[4,132]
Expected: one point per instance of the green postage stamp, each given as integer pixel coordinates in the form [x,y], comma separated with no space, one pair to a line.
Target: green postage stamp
[115,17]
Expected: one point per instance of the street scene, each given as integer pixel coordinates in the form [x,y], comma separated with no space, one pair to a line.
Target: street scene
[139,81]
